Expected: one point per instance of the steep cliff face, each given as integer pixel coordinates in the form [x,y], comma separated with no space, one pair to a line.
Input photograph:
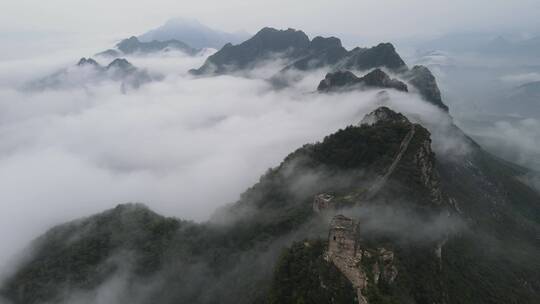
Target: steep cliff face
[424,81]
[425,161]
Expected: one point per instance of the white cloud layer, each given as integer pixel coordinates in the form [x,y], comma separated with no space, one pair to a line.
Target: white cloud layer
[183,146]
[514,140]
[521,78]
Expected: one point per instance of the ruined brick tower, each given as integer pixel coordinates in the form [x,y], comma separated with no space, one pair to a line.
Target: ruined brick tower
[342,236]
[344,253]
[323,202]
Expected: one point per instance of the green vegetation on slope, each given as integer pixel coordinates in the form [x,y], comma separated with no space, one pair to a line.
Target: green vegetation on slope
[303,276]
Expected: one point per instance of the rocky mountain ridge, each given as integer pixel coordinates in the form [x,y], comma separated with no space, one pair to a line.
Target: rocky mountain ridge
[302,54]
[346,80]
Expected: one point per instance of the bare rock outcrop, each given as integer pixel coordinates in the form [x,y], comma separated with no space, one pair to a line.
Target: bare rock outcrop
[424,159]
[345,252]
[384,267]
[424,81]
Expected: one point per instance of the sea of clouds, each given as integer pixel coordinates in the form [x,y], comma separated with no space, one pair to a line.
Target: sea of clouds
[182,145]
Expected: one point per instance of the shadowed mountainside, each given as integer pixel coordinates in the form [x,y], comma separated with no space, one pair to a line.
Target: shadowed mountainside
[436,230]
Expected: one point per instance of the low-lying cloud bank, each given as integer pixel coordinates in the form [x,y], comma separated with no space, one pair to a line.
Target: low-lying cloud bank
[521,78]
[183,145]
[513,139]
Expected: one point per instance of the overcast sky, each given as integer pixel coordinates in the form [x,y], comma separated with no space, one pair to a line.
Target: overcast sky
[384,19]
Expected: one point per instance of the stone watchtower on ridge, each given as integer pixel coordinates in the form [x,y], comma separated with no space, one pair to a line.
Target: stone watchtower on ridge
[344,253]
[342,236]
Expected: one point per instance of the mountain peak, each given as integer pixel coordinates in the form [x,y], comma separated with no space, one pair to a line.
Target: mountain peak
[133,45]
[87,61]
[128,45]
[194,33]
[336,80]
[346,80]
[378,78]
[300,53]
[280,40]
[268,42]
[321,43]
[120,63]
[422,78]
[384,114]
[131,207]
[381,55]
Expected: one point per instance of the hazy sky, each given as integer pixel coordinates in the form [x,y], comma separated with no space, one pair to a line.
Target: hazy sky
[386,19]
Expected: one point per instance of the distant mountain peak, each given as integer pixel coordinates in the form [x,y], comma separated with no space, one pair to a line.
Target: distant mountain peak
[87,61]
[265,44]
[120,70]
[120,63]
[128,45]
[133,45]
[321,43]
[346,80]
[193,33]
[422,78]
[301,53]
[279,40]
[381,55]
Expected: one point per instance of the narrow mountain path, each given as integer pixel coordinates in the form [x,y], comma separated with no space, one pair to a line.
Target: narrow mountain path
[379,183]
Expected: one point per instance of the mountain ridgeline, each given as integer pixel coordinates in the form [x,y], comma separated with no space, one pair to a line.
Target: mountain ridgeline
[346,80]
[302,54]
[89,72]
[372,213]
[410,228]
